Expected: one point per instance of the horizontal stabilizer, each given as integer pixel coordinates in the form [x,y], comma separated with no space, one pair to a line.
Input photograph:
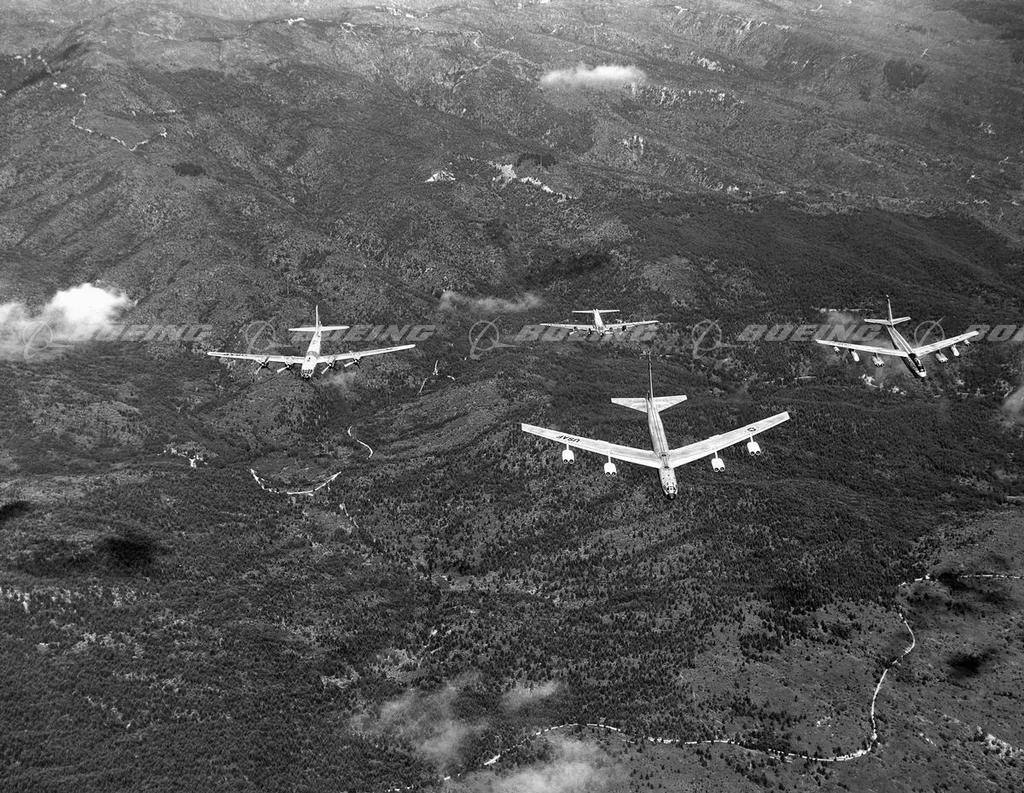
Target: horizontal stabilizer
[665,402]
[314,329]
[889,322]
[635,403]
[598,310]
[640,403]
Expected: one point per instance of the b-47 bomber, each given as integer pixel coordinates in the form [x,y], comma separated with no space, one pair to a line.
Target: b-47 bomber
[911,355]
[661,457]
[598,325]
[313,358]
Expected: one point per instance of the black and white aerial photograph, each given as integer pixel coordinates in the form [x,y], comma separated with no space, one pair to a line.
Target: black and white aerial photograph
[511,396]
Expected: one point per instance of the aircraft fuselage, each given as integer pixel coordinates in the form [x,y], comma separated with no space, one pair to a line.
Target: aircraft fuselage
[660,445]
[312,356]
[912,362]
[598,325]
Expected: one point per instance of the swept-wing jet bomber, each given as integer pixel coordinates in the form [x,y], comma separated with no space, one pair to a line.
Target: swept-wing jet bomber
[903,349]
[661,457]
[598,325]
[313,358]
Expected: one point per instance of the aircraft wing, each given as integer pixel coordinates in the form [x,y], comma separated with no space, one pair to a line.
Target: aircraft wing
[625,325]
[573,326]
[941,345]
[355,356]
[625,453]
[864,348]
[287,360]
[695,451]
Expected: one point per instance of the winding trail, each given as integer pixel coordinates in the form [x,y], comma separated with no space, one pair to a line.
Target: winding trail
[129,146]
[365,445]
[281,491]
[871,743]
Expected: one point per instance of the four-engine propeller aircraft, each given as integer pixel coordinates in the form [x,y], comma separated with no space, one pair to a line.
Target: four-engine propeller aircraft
[663,458]
[598,326]
[902,348]
[309,362]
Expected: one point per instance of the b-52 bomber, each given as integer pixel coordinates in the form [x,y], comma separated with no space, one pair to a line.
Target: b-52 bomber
[598,325]
[313,358]
[902,348]
[663,458]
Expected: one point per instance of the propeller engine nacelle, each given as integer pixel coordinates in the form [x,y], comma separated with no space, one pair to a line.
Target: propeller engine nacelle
[941,358]
[717,463]
[855,356]
[610,469]
[877,360]
[753,447]
[568,457]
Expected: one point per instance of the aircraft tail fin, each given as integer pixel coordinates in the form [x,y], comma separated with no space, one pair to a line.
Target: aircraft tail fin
[316,325]
[890,321]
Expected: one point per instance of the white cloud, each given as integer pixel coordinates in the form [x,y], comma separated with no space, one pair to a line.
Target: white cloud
[75,314]
[451,299]
[343,379]
[573,767]
[603,77]
[1013,405]
[522,694]
[426,721]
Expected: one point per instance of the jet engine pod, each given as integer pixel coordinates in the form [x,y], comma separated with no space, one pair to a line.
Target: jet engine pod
[610,469]
[567,456]
[855,356]
[753,447]
[955,351]
[877,360]
[941,358]
[717,463]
